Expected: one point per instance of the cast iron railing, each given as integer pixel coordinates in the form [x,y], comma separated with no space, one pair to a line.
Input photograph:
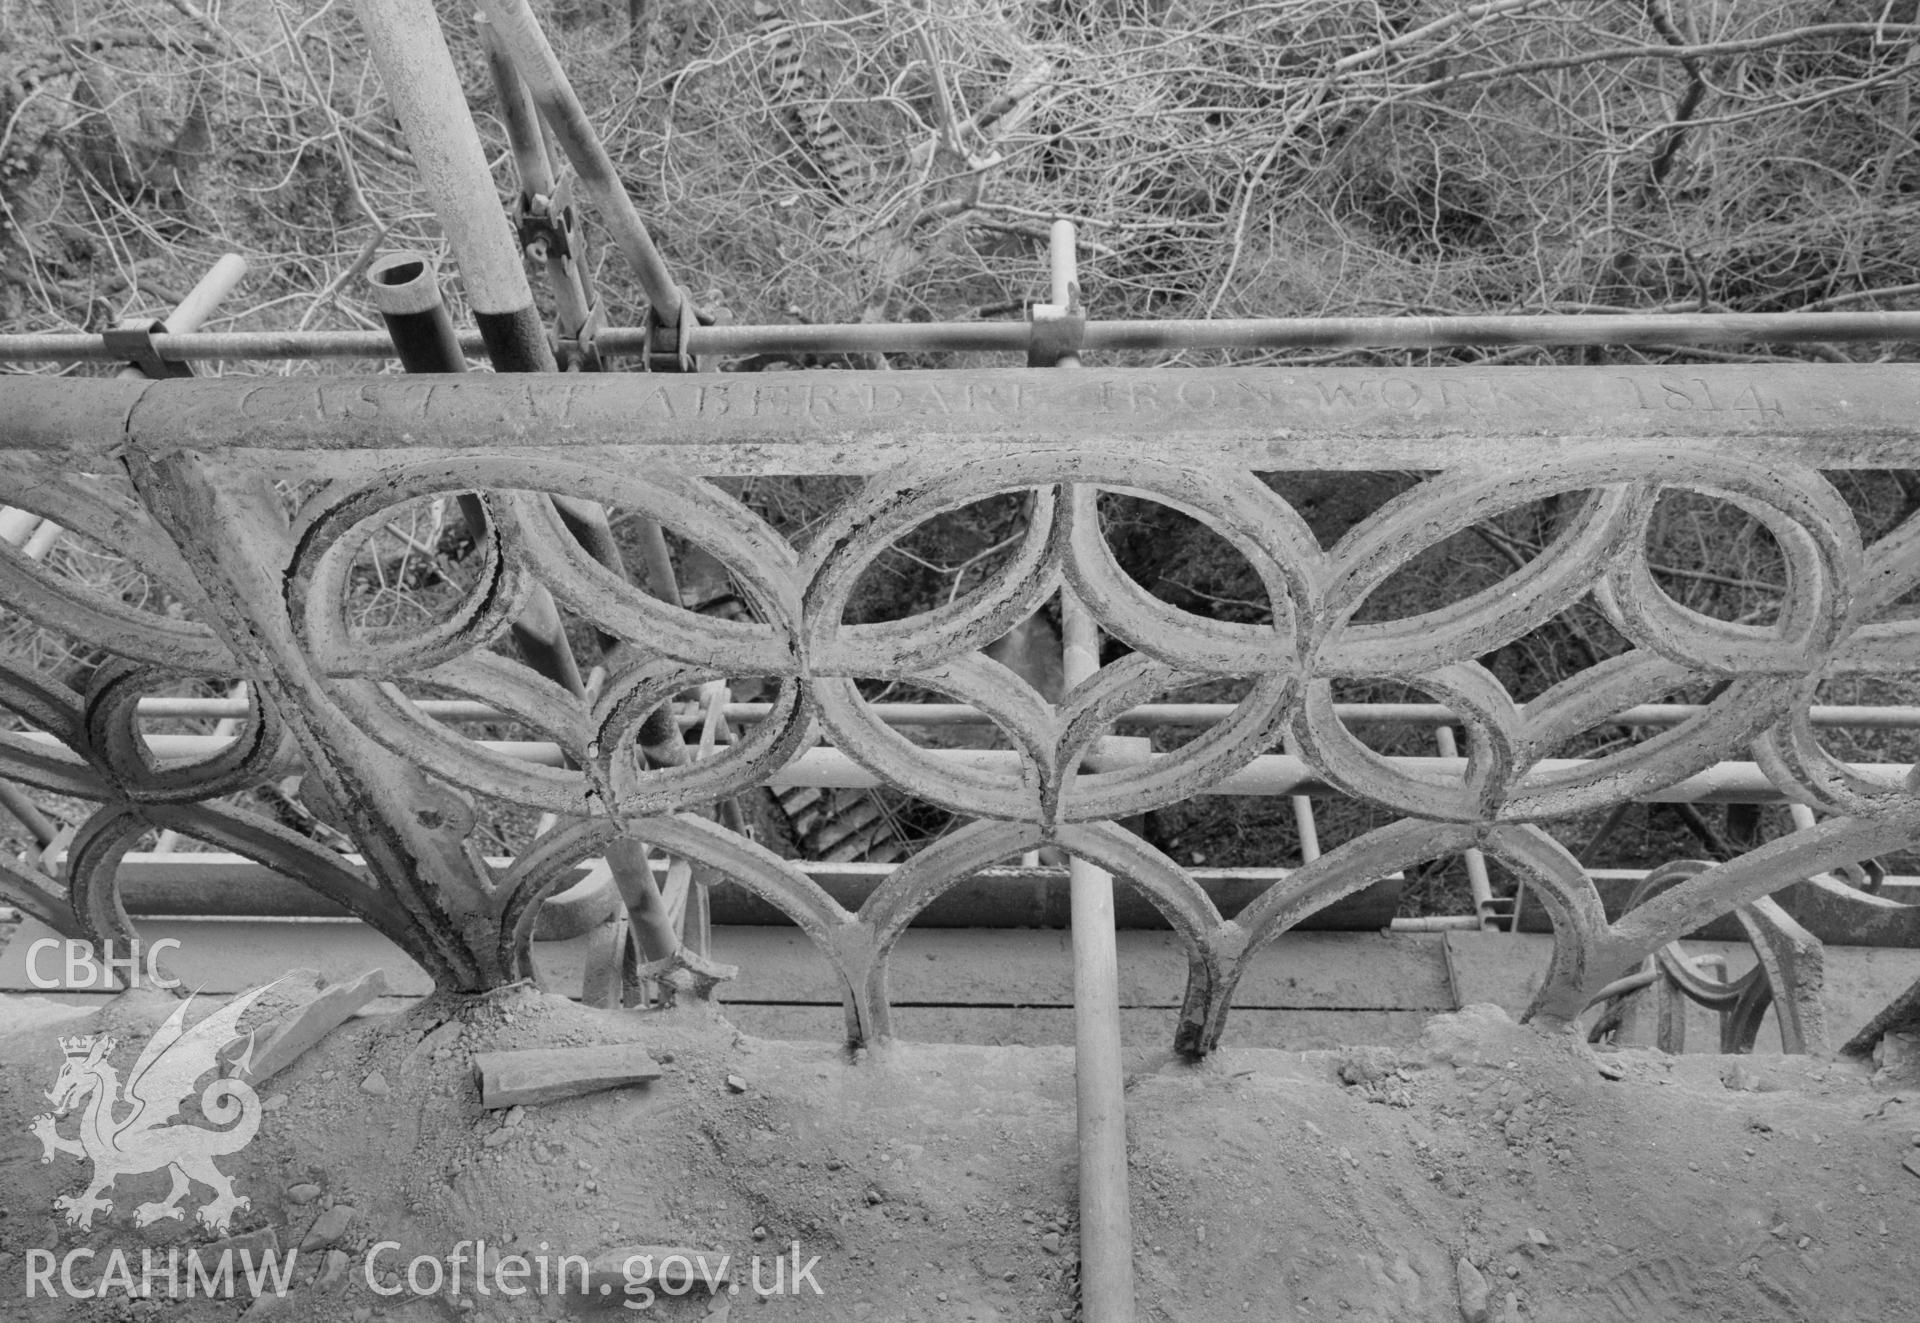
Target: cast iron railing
[174,477]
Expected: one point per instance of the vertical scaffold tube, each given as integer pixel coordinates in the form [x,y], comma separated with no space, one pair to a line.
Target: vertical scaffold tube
[406,290]
[1106,1220]
[424,89]
[519,33]
[1106,1217]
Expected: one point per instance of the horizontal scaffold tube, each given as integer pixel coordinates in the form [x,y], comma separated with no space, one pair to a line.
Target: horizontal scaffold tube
[1012,336]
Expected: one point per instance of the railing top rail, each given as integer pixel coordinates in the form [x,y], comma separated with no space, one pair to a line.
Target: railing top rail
[1823,416]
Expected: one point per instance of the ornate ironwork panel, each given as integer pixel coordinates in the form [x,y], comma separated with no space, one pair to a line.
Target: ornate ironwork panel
[171,475]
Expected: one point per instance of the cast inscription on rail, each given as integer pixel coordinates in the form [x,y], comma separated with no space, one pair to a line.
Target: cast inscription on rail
[1441,395]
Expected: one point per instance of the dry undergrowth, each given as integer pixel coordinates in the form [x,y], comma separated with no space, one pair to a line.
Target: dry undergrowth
[833,160]
[901,161]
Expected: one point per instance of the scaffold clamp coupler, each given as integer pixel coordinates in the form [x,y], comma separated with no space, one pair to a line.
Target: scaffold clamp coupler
[1054,332]
[135,345]
[670,347]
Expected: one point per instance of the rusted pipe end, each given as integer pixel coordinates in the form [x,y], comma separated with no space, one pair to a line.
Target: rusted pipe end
[406,289]
[404,283]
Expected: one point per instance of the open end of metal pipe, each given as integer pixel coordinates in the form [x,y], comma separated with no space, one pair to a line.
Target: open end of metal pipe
[404,283]
[406,289]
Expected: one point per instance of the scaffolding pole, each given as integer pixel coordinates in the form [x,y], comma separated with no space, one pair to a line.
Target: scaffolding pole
[417,68]
[1548,330]
[518,33]
[1106,1214]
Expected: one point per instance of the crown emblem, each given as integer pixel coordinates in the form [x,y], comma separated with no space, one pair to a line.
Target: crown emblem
[81,1046]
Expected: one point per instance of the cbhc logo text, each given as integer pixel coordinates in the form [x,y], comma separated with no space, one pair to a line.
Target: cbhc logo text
[81,970]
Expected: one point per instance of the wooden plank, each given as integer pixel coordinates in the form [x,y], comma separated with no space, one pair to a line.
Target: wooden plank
[547,1074]
[296,1032]
[1037,898]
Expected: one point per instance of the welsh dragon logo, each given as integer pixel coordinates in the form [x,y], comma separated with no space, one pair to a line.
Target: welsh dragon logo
[125,1132]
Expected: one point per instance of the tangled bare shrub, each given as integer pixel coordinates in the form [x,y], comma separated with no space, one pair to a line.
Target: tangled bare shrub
[1315,157]
[839,160]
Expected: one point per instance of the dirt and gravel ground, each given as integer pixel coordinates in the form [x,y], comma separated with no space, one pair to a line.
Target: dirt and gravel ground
[936,1182]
